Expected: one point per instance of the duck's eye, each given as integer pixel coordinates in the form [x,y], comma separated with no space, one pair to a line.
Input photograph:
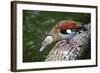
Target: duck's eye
[69,31]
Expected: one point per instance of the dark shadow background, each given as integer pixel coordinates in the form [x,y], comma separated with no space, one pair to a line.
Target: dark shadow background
[36,24]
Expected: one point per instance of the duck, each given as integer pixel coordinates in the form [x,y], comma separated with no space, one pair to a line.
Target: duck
[63,30]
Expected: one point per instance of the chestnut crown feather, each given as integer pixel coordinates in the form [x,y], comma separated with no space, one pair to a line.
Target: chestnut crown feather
[64,25]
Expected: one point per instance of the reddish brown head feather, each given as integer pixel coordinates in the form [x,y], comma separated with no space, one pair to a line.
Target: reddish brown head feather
[67,25]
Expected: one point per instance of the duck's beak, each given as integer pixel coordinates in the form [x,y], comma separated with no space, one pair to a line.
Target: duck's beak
[47,40]
[42,48]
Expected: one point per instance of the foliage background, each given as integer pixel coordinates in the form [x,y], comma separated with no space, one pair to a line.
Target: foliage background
[36,24]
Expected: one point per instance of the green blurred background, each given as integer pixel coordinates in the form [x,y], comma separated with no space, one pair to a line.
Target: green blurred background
[36,24]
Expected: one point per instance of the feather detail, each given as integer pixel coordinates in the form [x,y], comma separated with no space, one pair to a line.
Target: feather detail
[67,25]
